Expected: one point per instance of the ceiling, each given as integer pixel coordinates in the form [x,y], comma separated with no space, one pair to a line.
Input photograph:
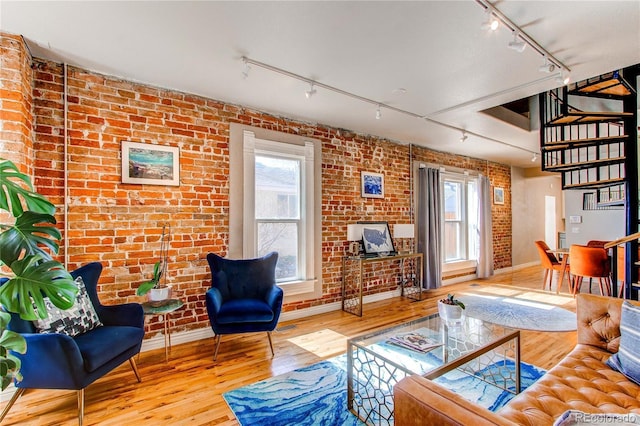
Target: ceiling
[448,68]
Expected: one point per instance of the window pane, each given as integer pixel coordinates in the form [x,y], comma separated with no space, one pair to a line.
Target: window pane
[283,238]
[277,188]
[452,242]
[452,200]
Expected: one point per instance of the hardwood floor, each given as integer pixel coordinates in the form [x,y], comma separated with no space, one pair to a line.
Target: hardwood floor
[188,389]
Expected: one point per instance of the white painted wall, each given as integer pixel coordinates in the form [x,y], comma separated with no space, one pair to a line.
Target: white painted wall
[605,225]
[529,187]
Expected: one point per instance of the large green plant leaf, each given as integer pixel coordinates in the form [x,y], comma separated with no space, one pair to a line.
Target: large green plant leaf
[12,189]
[36,278]
[9,341]
[27,236]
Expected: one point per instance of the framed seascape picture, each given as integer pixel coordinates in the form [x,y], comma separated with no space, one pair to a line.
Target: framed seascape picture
[376,238]
[498,195]
[372,185]
[150,164]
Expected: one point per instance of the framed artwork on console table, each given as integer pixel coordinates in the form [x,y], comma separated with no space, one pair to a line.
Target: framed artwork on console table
[150,164]
[371,185]
[376,238]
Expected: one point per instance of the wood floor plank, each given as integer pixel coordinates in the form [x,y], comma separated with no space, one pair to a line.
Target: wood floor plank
[188,389]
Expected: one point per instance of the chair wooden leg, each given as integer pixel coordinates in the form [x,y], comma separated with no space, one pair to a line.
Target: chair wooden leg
[215,355]
[546,278]
[80,407]
[17,394]
[577,283]
[270,342]
[134,367]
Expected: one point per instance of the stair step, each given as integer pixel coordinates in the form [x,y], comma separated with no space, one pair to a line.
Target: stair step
[594,184]
[574,143]
[584,164]
[576,117]
[609,85]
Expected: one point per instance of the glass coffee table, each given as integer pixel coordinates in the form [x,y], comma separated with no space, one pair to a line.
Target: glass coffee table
[428,347]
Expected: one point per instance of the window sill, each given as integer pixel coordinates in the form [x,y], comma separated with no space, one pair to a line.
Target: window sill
[293,288]
[460,266]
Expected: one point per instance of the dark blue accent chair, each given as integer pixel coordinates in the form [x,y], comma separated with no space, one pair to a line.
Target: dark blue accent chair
[243,297]
[57,361]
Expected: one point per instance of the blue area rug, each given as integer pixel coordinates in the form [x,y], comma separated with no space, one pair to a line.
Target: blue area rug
[317,395]
[518,313]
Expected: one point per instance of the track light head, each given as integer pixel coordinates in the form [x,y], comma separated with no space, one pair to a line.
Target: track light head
[517,44]
[247,68]
[464,137]
[490,22]
[378,113]
[309,93]
[534,158]
[563,78]
[547,67]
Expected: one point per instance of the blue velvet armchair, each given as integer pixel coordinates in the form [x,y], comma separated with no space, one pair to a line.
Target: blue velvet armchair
[243,297]
[58,361]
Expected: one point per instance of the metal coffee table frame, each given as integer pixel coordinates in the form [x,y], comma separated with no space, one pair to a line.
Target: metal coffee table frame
[371,374]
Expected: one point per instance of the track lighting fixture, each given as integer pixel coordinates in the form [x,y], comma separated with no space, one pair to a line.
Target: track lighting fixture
[534,158]
[547,67]
[490,22]
[309,93]
[465,134]
[563,77]
[247,68]
[517,44]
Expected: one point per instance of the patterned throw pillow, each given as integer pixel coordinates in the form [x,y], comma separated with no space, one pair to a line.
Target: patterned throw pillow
[78,319]
[627,360]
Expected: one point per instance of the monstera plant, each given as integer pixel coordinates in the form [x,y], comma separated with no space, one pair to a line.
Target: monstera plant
[29,271]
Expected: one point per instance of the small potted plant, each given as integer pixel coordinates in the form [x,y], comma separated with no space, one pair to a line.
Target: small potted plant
[451,309]
[158,291]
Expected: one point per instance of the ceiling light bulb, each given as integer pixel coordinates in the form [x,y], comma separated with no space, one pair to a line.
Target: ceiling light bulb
[534,158]
[464,137]
[490,22]
[309,93]
[378,113]
[517,45]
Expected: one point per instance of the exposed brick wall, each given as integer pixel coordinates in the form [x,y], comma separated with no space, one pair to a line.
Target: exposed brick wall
[120,224]
[16,139]
[500,177]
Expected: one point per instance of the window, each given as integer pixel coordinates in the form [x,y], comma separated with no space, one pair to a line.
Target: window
[460,206]
[274,205]
[277,211]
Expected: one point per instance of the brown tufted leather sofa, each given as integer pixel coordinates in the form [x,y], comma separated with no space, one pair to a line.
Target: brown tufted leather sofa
[581,381]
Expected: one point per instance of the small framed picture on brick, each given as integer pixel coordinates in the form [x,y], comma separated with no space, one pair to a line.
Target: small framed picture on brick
[372,185]
[498,195]
[150,164]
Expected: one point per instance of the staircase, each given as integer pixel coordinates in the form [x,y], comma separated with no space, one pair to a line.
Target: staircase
[589,134]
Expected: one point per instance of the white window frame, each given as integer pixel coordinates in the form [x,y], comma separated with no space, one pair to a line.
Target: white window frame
[245,142]
[463,179]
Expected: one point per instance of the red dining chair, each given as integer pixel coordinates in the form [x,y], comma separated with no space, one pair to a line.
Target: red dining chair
[550,263]
[590,262]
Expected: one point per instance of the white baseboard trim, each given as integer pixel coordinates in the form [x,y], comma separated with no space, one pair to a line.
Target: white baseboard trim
[514,268]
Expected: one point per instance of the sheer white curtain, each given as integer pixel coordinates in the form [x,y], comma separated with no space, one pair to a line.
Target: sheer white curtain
[485,252]
[429,229]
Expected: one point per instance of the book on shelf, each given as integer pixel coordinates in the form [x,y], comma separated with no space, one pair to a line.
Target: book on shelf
[416,341]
